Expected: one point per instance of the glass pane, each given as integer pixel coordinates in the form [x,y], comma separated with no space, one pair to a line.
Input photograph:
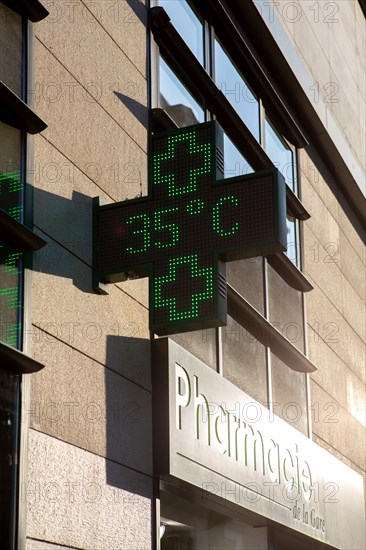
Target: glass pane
[176,100]
[9,388]
[11,189]
[234,162]
[285,309]
[10,296]
[244,361]
[283,158]
[201,343]
[187,24]
[235,89]
[189,525]
[292,242]
[11,200]
[280,154]
[289,395]
[246,276]
[11,49]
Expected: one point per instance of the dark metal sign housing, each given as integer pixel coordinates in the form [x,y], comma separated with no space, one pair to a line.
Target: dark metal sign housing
[192,221]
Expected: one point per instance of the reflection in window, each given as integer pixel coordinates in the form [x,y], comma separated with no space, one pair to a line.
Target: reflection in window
[289,395]
[283,158]
[235,89]
[280,154]
[11,36]
[11,188]
[244,360]
[187,525]
[11,200]
[292,241]
[187,24]
[175,98]
[285,309]
[234,162]
[201,343]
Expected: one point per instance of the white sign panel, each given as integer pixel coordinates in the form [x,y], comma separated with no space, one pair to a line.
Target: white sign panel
[210,434]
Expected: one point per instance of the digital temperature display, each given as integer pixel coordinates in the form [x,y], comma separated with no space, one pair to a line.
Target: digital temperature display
[189,225]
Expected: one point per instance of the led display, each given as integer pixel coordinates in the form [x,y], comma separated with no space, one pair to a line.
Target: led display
[191,222]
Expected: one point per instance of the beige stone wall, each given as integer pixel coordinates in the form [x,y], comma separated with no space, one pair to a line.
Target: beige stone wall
[330,38]
[90,448]
[334,257]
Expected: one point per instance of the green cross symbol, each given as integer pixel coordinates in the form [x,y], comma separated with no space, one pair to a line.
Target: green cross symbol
[196,272]
[171,161]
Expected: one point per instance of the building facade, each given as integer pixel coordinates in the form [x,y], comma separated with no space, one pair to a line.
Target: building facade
[248,435]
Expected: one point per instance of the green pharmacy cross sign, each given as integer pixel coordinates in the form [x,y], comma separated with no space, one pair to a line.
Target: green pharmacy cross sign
[189,225]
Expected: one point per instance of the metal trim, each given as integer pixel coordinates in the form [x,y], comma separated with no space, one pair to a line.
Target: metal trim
[267,349]
[289,272]
[18,236]
[16,113]
[248,317]
[295,206]
[17,362]
[31,9]
[161,121]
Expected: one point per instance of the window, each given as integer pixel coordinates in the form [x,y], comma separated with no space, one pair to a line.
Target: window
[235,89]
[281,154]
[283,157]
[234,162]
[176,99]
[240,354]
[11,42]
[187,24]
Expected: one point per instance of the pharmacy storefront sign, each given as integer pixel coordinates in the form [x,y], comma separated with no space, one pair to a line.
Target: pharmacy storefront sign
[213,437]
